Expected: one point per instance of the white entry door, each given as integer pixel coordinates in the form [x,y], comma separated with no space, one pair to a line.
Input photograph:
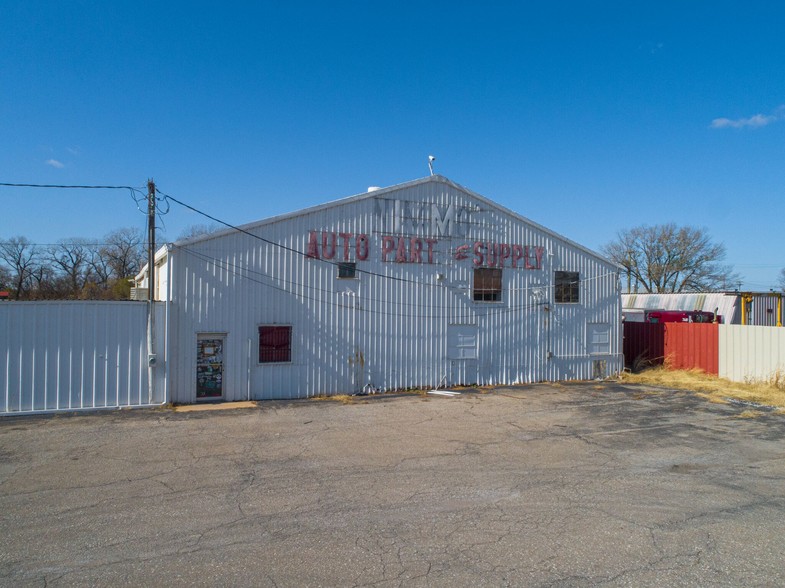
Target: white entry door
[462,354]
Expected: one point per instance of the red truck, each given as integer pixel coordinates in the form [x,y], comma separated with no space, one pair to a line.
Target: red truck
[670,316]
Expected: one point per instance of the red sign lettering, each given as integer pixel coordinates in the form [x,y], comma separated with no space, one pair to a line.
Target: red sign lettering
[313,246]
[430,243]
[361,247]
[331,244]
[325,245]
[388,244]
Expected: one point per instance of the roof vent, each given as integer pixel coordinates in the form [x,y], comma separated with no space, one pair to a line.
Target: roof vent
[373,188]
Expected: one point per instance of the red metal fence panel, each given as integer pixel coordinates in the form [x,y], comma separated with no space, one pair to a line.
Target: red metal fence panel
[644,343]
[692,345]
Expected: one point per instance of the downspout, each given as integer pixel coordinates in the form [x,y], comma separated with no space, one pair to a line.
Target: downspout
[779,310]
[743,309]
[746,300]
[248,384]
[168,359]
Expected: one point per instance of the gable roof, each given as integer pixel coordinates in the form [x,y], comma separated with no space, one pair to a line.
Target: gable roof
[383,191]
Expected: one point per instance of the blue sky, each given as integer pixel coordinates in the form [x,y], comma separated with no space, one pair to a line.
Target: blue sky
[586,117]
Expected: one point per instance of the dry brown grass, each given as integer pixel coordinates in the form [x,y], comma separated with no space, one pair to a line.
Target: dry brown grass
[749,414]
[713,388]
[342,398]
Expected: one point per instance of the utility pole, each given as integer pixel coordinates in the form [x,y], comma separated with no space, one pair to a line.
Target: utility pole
[150,289]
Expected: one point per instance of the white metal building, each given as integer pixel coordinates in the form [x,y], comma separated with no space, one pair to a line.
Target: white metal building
[422,284]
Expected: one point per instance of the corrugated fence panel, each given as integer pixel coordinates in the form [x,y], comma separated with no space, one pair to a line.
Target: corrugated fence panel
[751,353]
[643,343]
[692,345]
[62,356]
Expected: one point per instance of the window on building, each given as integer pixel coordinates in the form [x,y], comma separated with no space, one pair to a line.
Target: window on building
[275,344]
[598,338]
[347,269]
[566,287]
[487,284]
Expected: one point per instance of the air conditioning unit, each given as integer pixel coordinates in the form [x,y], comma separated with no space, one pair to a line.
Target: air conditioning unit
[140,294]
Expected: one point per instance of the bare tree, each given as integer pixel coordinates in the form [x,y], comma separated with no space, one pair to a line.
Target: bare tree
[46,284]
[123,253]
[21,258]
[5,278]
[781,280]
[193,231]
[668,258]
[71,257]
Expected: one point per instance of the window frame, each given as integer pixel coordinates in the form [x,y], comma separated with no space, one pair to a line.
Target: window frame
[345,266]
[566,287]
[282,351]
[492,295]
[598,328]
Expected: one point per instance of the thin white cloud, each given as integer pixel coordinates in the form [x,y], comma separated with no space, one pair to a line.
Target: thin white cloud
[73,150]
[55,163]
[753,122]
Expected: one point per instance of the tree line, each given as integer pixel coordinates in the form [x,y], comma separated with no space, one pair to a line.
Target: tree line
[72,269]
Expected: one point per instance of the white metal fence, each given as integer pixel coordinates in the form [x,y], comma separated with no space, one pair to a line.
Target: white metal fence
[751,353]
[63,356]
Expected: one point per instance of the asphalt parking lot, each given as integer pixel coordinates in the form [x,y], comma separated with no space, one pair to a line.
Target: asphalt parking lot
[577,485]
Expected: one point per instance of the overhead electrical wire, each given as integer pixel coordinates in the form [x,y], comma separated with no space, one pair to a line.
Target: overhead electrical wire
[273,243]
[167,198]
[497,309]
[137,193]
[243,272]
[334,263]
[67,186]
[69,242]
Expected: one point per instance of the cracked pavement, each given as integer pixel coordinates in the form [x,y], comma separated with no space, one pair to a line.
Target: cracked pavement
[589,484]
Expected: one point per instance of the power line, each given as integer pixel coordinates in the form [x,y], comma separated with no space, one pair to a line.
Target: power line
[273,243]
[89,244]
[137,194]
[358,270]
[243,273]
[167,197]
[71,186]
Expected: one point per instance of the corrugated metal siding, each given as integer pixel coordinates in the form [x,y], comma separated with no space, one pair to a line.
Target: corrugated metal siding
[75,355]
[389,328]
[692,345]
[764,311]
[751,353]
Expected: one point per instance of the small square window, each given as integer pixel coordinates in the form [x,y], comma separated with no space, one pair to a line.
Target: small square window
[275,344]
[487,284]
[347,270]
[566,287]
